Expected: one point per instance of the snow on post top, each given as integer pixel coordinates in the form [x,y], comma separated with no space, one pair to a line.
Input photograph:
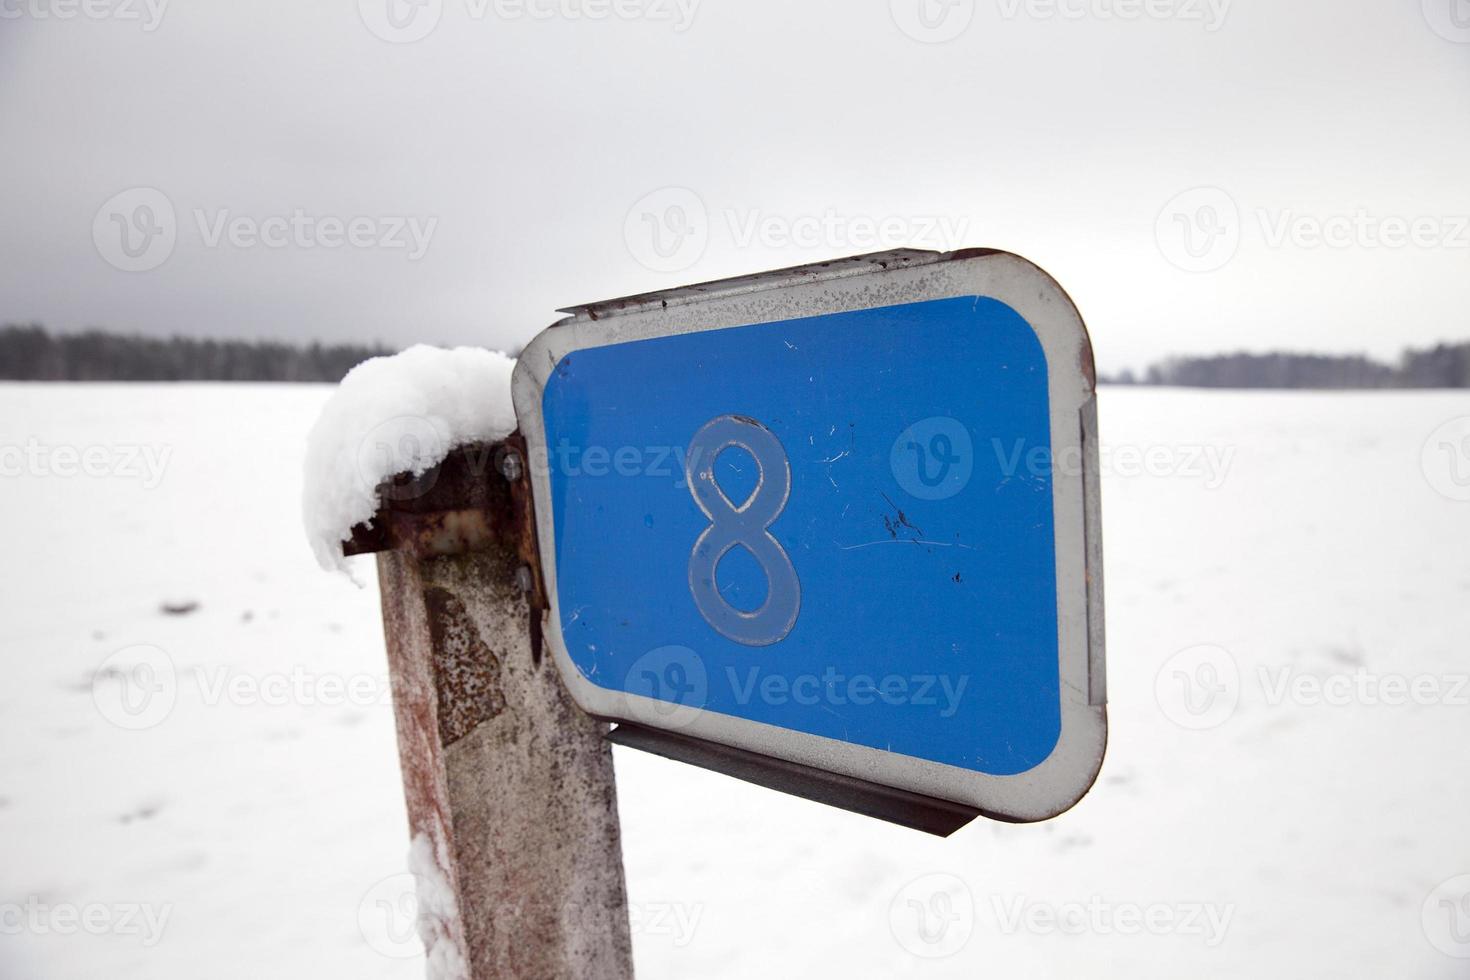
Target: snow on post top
[399,414]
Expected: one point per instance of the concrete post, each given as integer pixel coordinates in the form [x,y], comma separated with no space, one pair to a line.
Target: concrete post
[510,792]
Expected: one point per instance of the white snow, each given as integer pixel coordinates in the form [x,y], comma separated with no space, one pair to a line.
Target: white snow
[438,908]
[261,819]
[399,414]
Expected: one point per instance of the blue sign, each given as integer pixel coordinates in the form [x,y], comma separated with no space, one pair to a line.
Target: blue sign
[831,537]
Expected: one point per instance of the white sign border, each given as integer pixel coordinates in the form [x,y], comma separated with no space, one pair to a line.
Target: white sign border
[866,282]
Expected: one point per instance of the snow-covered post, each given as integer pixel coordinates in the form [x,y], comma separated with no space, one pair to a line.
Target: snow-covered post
[511,802]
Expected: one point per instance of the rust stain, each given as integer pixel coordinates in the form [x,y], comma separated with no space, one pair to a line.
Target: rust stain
[467,677]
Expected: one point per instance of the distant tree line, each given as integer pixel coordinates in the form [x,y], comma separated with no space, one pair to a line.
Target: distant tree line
[29,353]
[1442,366]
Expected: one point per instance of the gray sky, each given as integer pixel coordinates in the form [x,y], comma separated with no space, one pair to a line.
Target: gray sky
[452,171]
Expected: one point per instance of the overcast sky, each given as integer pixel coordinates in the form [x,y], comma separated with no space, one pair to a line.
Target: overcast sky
[1198,174]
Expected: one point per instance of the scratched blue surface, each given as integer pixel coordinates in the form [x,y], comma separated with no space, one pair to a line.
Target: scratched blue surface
[927,627]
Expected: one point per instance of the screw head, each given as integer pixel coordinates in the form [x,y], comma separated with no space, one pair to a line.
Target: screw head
[510,466]
[523,578]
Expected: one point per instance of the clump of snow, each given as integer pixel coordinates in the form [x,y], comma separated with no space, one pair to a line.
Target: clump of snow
[438,908]
[399,414]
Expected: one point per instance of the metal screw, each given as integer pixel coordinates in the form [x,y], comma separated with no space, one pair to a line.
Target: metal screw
[510,466]
[523,578]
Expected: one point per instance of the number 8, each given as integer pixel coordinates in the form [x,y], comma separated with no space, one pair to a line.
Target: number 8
[744,526]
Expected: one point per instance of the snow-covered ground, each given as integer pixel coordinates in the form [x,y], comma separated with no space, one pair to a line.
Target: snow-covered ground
[1286,554]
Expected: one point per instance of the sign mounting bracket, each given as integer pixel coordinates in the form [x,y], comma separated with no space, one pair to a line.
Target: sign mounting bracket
[912,810]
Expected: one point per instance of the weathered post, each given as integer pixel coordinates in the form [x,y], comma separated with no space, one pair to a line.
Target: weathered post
[511,801]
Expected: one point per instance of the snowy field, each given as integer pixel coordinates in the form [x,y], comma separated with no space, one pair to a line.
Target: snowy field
[1287,789]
